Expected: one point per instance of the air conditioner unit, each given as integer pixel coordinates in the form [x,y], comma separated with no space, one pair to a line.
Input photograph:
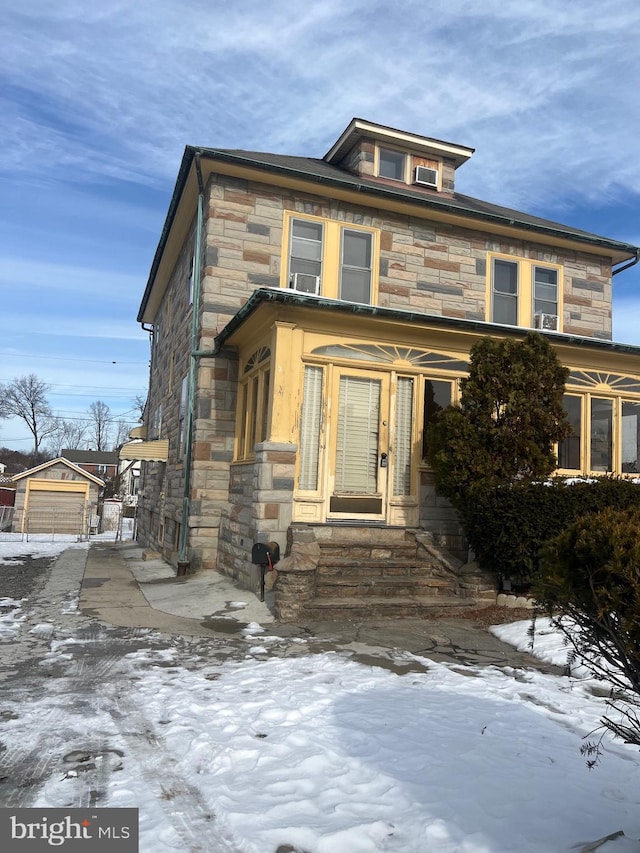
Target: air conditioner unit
[305,283]
[546,321]
[426,177]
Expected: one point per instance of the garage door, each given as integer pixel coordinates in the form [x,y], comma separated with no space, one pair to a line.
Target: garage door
[55,512]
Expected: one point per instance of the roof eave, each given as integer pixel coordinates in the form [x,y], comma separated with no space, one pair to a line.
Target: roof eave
[282,296]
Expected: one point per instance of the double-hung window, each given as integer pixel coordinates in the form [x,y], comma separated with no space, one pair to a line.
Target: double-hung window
[331,259]
[305,260]
[524,293]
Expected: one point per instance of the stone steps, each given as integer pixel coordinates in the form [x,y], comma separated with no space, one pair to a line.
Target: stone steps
[382,587]
[357,572]
[346,567]
[349,608]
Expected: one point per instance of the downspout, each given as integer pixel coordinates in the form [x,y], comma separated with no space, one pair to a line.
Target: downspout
[627,266]
[183,560]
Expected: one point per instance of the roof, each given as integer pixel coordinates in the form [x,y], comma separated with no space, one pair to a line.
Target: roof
[291,297]
[319,171]
[90,457]
[66,462]
[359,127]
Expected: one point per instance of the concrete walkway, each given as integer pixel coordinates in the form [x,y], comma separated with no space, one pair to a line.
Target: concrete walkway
[119,588]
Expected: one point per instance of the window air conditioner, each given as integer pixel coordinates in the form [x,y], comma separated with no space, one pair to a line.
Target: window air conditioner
[305,283]
[546,321]
[426,177]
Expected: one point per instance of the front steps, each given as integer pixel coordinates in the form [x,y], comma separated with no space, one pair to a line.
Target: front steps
[358,572]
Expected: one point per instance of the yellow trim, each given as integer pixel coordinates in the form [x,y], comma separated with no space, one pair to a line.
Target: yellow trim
[331,253]
[525,293]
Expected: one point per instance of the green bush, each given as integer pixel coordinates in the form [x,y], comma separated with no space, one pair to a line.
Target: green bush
[509,418]
[507,525]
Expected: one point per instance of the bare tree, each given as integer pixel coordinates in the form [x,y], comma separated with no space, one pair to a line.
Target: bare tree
[26,398]
[140,404]
[67,436]
[100,425]
[122,432]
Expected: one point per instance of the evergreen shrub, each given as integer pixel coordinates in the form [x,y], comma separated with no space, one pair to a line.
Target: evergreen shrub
[507,525]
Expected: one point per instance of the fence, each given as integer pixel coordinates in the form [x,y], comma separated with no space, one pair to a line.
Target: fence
[6,518]
[50,522]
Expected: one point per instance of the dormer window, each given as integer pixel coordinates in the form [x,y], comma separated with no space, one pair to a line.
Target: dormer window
[392,164]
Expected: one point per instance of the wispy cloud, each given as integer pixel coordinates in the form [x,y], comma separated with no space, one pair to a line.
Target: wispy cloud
[545,90]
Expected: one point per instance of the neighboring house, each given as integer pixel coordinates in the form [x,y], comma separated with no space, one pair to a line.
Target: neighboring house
[54,497]
[310,316]
[3,468]
[128,481]
[100,463]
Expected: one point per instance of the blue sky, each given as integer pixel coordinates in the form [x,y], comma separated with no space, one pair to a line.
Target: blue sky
[99,100]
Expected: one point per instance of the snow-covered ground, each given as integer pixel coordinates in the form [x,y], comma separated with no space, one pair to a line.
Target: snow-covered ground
[321,754]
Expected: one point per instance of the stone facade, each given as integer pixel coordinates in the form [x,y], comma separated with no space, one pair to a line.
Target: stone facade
[424,266]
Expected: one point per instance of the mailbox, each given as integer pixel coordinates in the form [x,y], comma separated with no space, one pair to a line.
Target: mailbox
[265,555]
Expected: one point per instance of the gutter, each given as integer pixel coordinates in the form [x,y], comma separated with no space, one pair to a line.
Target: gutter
[183,559]
[629,265]
[288,297]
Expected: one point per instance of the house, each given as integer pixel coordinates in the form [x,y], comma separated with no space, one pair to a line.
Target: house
[308,317]
[100,463]
[55,497]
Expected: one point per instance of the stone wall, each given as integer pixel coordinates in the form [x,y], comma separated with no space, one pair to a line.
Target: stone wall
[260,503]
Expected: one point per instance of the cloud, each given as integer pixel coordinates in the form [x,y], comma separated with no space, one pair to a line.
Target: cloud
[61,278]
[545,90]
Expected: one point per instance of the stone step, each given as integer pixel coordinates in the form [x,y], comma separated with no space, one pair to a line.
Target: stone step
[345,553]
[347,608]
[372,568]
[398,587]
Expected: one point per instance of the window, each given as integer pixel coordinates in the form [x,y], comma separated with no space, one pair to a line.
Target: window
[182,412]
[305,261]
[545,291]
[605,437]
[191,279]
[310,424]
[253,405]
[403,434]
[331,259]
[505,292]
[355,266]
[569,456]
[601,434]
[523,293]
[630,436]
[392,164]
[156,422]
[438,394]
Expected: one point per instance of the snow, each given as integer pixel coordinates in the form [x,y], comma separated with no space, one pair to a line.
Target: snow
[322,754]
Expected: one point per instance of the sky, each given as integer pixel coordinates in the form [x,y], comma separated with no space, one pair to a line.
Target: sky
[276,748]
[99,100]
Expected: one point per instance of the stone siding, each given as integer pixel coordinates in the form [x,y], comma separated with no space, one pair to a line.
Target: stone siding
[424,266]
[259,510]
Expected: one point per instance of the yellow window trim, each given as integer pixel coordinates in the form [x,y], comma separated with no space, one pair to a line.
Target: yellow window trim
[525,287]
[331,245]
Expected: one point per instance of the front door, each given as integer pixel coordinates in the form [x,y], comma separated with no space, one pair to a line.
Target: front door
[359,445]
